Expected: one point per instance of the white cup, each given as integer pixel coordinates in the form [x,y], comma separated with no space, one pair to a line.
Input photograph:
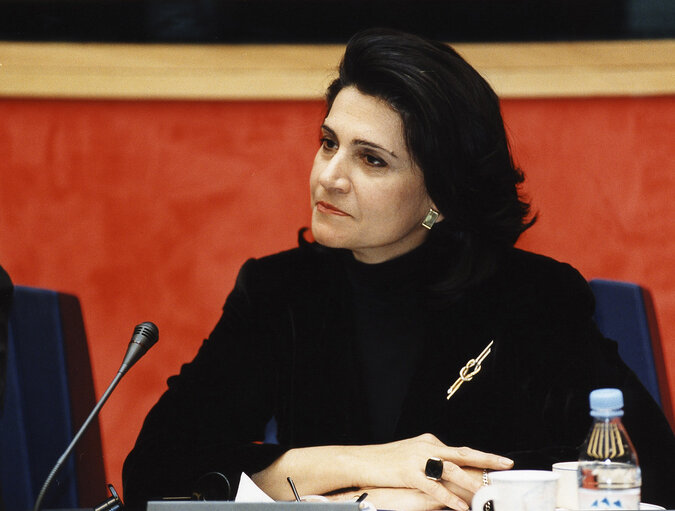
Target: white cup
[567,484]
[518,490]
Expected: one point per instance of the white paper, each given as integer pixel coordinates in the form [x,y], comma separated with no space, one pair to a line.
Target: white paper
[250,492]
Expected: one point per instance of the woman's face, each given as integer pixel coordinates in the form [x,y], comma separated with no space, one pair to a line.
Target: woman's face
[367,194]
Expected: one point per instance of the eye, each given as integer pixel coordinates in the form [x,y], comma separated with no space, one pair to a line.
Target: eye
[327,143]
[374,161]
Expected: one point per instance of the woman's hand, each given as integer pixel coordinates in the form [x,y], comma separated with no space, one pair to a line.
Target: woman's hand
[401,499]
[401,464]
[397,465]
[406,499]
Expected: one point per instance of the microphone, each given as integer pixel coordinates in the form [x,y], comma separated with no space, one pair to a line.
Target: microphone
[144,337]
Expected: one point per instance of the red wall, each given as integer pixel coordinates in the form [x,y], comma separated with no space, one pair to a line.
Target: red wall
[146,210]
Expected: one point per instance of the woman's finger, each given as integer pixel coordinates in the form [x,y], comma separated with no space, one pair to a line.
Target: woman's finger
[461,491]
[461,477]
[467,457]
[439,492]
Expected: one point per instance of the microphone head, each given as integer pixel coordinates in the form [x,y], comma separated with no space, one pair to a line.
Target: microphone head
[146,334]
[144,337]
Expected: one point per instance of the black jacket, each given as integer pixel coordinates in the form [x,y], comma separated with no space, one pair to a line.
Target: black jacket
[282,348]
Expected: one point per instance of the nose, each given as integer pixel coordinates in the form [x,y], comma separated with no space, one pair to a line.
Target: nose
[334,173]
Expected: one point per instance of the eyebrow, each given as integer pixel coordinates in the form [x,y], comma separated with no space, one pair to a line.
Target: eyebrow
[361,142]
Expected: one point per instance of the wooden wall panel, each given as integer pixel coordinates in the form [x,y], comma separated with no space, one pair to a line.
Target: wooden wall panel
[645,67]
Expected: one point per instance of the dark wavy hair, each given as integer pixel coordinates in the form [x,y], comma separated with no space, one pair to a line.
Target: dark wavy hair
[455,134]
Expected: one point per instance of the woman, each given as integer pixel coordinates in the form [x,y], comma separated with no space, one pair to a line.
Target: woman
[352,342]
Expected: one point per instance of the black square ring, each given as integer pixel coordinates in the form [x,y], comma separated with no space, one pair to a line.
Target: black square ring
[434,469]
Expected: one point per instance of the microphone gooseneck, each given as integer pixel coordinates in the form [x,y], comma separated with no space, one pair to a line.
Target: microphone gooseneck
[144,337]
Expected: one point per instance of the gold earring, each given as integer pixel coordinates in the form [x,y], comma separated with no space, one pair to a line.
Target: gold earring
[430,219]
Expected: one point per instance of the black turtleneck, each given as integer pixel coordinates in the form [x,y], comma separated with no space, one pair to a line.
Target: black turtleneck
[388,300]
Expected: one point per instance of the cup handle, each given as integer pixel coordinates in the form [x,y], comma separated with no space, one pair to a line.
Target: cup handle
[483,496]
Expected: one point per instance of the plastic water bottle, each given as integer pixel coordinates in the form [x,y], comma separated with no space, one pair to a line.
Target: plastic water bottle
[609,475]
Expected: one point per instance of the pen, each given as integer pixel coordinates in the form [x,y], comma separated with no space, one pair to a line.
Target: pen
[295,492]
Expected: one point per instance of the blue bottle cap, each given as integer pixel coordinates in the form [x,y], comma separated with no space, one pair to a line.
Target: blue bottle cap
[606,403]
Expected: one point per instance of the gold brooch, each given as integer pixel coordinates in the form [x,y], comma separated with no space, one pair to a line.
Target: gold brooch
[470,370]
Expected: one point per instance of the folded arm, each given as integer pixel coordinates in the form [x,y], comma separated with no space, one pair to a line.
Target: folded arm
[398,465]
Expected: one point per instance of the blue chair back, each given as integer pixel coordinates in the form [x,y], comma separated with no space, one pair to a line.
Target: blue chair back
[624,312]
[49,393]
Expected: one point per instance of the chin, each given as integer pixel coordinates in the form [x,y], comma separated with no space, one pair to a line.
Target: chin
[327,236]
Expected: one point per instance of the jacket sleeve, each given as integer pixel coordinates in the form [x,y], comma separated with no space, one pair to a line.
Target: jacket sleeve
[213,415]
[568,359]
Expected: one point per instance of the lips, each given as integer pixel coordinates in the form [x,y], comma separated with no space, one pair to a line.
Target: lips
[325,207]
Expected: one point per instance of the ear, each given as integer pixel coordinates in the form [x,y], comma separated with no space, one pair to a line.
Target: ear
[440,215]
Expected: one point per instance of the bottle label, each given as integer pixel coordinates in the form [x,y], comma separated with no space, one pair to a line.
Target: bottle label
[605,442]
[609,499]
